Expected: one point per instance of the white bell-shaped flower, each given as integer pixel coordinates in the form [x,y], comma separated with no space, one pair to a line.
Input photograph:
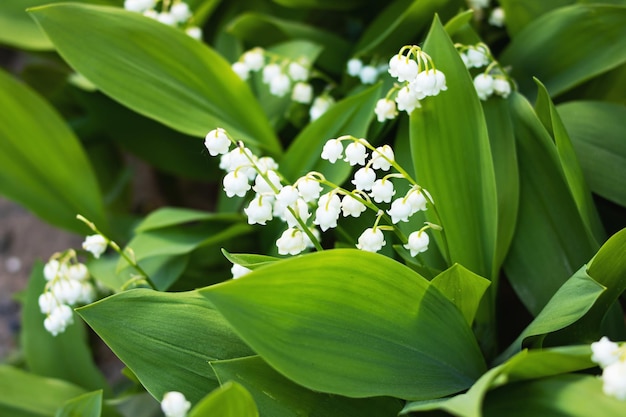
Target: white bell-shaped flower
[262,186]
[406,69]
[266,163]
[96,244]
[368,74]
[87,293]
[327,212]
[476,57]
[297,71]
[167,19]
[484,85]
[139,6]
[332,151]
[194,32]
[77,272]
[400,210]
[385,110]
[302,93]
[371,240]
[614,380]
[58,320]
[356,153]
[605,352]
[309,189]
[180,11]
[364,178]
[270,72]
[175,404]
[291,242]
[238,271]
[241,69]
[51,269]
[350,206]
[430,82]
[497,17]
[382,158]
[236,184]
[382,191]
[407,99]
[320,106]
[501,87]
[354,67]
[47,302]
[416,199]
[301,209]
[254,58]
[259,210]
[217,142]
[417,242]
[280,85]
[393,65]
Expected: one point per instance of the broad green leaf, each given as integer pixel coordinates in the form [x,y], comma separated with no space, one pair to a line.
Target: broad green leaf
[400,23]
[463,288]
[229,400]
[597,133]
[277,396]
[526,365]
[17,28]
[563,395]
[23,394]
[166,339]
[569,162]
[520,13]
[321,4]
[563,48]
[265,30]
[85,405]
[608,268]
[352,323]
[504,154]
[42,164]
[173,216]
[66,356]
[351,115]
[452,157]
[550,242]
[161,72]
[571,302]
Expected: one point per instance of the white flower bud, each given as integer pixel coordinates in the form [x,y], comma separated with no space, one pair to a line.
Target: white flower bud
[309,189]
[87,293]
[261,186]
[166,18]
[291,242]
[354,67]
[350,206]
[254,59]
[180,11]
[297,71]
[406,69]
[368,74]
[47,302]
[417,200]
[393,64]
[364,178]
[194,32]
[356,153]
[236,183]
[382,191]
[400,210]
[407,99]
[430,83]
[385,109]
[327,213]
[270,72]
[51,269]
[259,210]
[280,85]
[217,142]
[241,69]
[96,244]
[302,211]
[320,106]
[77,272]
[501,87]
[175,404]
[484,85]
[497,17]
[239,271]
[605,352]
[614,380]
[58,320]
[378,158]
[302,93]
[139,6]
[371,240]
[332,150]
[477,57]
[418,242]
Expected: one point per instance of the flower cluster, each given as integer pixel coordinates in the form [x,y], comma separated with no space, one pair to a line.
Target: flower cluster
[174,404]
[612,359]
[176,14]
[493,80]
[283,76]
[368,74]
[307,205]
[417,77]
[68,284]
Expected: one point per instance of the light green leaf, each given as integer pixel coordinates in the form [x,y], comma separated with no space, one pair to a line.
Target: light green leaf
[452,157]
[569,162]
[156,70]
[463,288]
[249,260]
[277,396]
[563,395]
[66,356]
[401,22]
[352,323]
[353,115]
[549,226]
[23,394]
[179,332]
[526,365]
[520,13]
[597,133]
[571,302]
[85,405]
[42,164]
[229,400]
[176,216]
[555,47]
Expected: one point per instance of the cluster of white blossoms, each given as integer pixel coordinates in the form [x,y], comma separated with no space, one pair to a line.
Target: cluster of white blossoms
[612,359]
[174,404]
[68,284]
[368,74]
[417,77]
[493,79]
[175,13]
[313,202]
[283,76]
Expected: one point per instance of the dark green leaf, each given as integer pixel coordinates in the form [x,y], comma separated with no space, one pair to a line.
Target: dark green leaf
[229,400]
[166,339]
[352,323]
[42,164]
